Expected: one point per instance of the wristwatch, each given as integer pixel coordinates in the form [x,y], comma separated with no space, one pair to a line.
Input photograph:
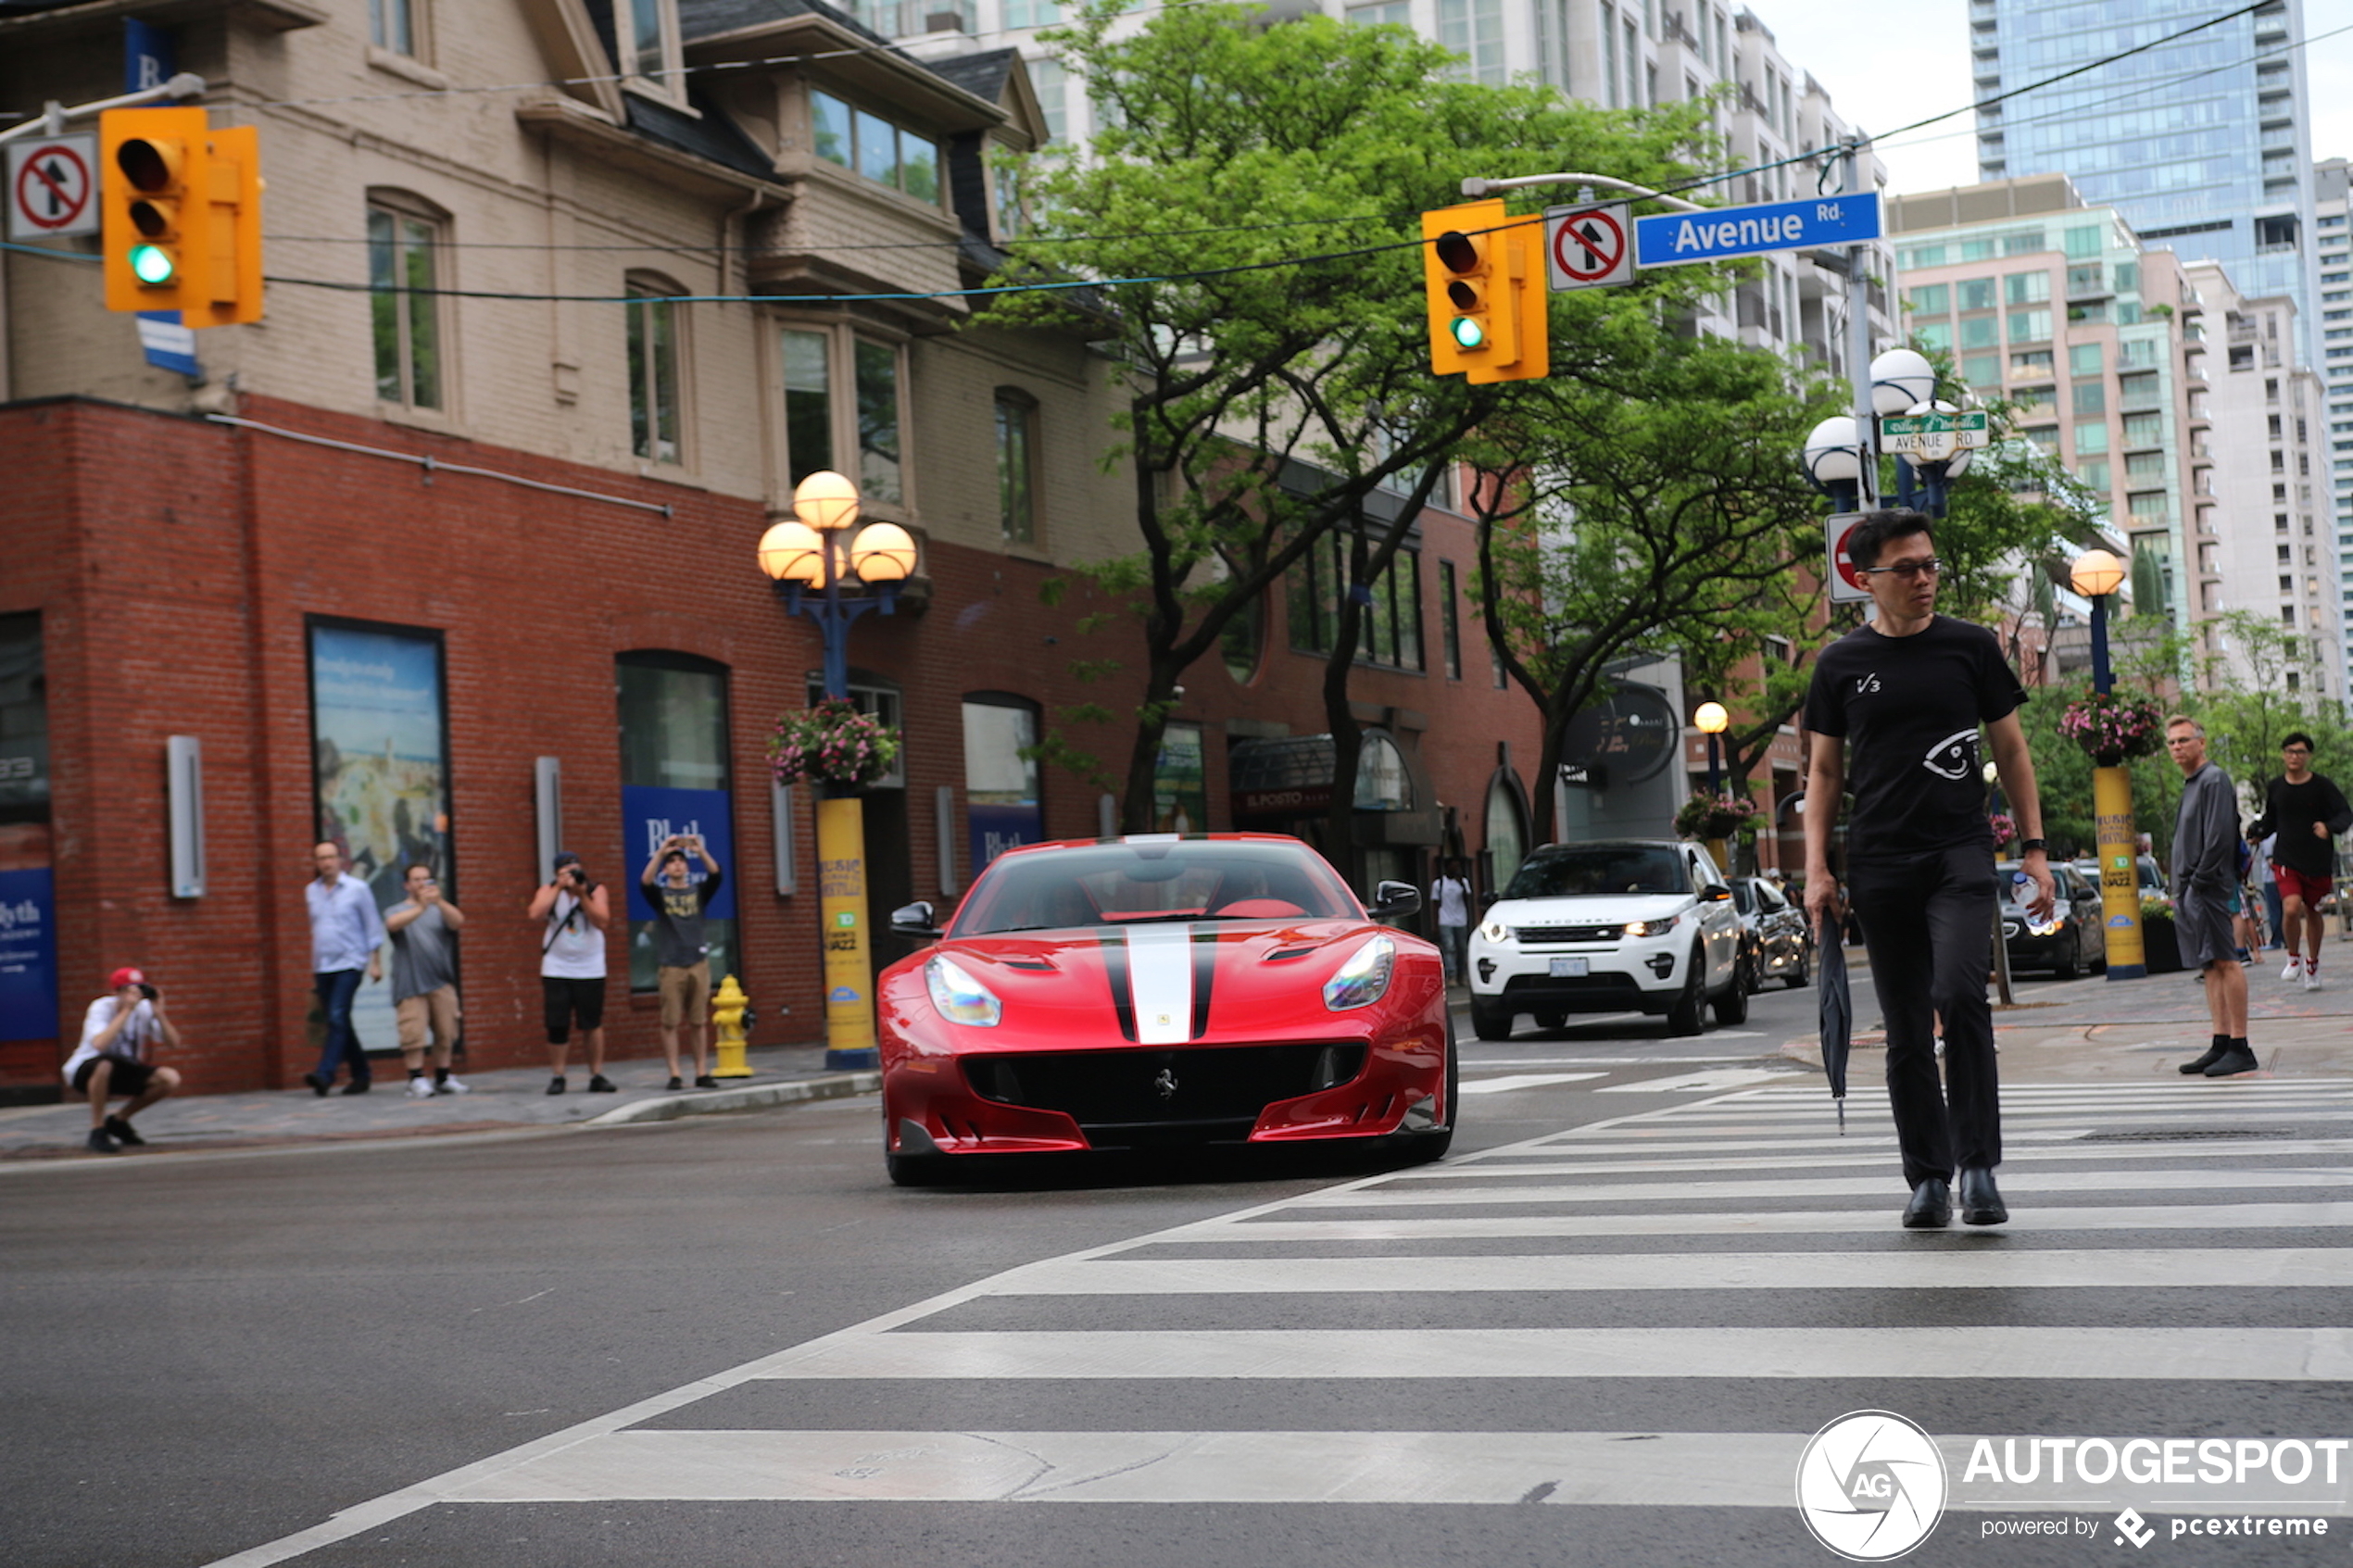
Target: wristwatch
[2028,846]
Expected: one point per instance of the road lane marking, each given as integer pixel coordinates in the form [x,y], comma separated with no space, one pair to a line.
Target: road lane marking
[1826,1222]
[1709,1083]
[1522,1081]
[1429,1194]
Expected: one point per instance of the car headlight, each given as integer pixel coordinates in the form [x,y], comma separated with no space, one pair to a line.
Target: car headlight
[1494,930]
[1363,978]
[959,996]
[1651,927]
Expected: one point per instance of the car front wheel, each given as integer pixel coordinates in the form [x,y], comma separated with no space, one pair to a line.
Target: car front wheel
[1684,1016]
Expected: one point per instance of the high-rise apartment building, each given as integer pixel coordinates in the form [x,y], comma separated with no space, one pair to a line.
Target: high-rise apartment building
[2203,144]
[2332,220]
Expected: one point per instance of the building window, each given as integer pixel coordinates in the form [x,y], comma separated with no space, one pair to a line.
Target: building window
[1032,13]
[1976,294]
[1243,639]
[403,308]
[2090,397]
[1981,332]
[1450,627]
[2089,440]
[653,371]
[674,778]
[880,149]
[841,410]
[2026,288]
[1052,81]
[1932,299]
[2030,326]
[1391,620]
[653,42]
[1016,466]
[392,25]
[1474,29]
[2084,359]
[1003,807]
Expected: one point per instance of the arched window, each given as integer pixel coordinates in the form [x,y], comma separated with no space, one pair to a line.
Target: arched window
[1506,827]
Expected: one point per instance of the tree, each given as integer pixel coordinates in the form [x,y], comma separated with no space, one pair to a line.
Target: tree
[1246,218]
[2246,707]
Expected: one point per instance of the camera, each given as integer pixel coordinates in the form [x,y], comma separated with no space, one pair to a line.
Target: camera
[147,990]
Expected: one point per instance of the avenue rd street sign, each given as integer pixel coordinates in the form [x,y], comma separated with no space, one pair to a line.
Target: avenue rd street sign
[1676,239]
[1933,437]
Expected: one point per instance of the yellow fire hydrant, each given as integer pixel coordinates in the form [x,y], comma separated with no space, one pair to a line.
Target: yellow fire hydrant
[727,1018]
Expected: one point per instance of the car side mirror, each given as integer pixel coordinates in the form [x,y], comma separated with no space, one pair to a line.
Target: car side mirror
[916,919]
[1392,899]
[1714,893]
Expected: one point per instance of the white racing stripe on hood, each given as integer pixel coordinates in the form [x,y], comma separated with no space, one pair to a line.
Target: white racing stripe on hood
[1160,983]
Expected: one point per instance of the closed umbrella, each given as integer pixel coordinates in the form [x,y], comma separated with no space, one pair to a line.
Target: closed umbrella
[1838,1011]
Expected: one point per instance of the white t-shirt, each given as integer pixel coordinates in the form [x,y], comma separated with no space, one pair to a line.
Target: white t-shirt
[1454,900]
[575,948]
[137,1037]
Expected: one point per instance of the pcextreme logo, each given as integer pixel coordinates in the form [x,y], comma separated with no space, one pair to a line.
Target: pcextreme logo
[1870,1485]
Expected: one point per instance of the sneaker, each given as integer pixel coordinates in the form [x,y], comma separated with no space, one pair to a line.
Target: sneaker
[556,1084]
[421,1088]
[453,1086]
[2294,969]
[2311,981]
[705,1081]
[600,1084]
[2198,1064]
[675,1082]
[123,1133]
[2237,1059]
[102,1142]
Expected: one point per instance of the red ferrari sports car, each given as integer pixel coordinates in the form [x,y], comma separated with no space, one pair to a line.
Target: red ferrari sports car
[1156,991]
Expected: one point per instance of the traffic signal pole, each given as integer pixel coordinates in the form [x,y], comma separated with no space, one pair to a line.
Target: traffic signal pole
[52,119]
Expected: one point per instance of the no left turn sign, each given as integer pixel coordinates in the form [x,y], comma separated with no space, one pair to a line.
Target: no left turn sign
[1586,246]
[52,190]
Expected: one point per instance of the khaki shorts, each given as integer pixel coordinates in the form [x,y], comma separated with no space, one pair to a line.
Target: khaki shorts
[437,1008]
[685,994]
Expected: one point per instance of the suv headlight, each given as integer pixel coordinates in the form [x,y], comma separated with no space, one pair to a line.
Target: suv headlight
[1494,930]
[1363,978]
[959,996]
[1651,927]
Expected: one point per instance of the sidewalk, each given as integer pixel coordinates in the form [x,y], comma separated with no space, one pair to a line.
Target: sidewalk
[510,1099]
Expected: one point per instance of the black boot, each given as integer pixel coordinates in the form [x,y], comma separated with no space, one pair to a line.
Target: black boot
[1981,1199]
[1931,1206]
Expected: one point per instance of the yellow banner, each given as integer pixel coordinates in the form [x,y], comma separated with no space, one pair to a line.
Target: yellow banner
[841,884]
[2120,869]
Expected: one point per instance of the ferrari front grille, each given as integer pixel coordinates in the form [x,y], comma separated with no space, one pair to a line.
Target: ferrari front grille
[1127,1088]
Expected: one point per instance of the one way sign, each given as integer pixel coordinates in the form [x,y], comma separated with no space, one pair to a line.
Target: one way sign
[1589,246]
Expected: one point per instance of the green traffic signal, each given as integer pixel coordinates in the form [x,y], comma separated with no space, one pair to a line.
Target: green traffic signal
[152,265]
[1467,333]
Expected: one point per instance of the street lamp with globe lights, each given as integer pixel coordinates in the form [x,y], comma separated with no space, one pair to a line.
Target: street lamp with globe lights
[809,557]
[1711,720]
[2096,574]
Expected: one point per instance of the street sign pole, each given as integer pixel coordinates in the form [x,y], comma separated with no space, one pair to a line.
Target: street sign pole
[1859,338]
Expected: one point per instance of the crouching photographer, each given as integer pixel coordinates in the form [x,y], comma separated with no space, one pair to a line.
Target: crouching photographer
[118,1032]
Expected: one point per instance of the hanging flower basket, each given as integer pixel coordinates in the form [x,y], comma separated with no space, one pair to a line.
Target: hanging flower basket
[2004,828]
[1715,816]
[832,743]
[2113,729]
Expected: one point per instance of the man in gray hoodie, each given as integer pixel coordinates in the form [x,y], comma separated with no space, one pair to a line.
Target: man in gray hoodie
[2206,892]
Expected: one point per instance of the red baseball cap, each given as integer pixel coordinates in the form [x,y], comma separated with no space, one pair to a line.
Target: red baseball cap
[123,977]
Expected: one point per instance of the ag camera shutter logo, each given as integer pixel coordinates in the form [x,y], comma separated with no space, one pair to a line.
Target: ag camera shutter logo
[1870,1485]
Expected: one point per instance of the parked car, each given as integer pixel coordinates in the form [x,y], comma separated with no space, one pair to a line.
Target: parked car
[1776,941]
[1617,925]
[2078,942]
[1161,991]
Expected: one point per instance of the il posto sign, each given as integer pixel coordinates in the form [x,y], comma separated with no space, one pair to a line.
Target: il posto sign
[1626,738]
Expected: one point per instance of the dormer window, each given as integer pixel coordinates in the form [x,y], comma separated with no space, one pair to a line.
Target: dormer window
[652,46]
[879,148]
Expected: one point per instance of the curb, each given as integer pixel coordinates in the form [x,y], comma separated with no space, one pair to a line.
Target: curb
[711,1102]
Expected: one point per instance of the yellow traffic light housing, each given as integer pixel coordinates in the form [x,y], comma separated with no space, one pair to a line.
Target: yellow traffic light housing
[180,210]
[1484,276]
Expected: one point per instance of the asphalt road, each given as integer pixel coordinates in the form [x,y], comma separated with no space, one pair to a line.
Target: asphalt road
[758,1353]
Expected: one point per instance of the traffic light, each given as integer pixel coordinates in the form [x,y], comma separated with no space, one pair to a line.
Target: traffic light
[181,215]
[1485,279]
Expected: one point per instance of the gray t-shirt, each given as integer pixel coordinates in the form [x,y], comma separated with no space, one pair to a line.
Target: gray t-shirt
[2206,835]
[421,957]
[678,923]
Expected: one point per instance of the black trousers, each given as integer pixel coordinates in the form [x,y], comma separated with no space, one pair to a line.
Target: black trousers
[1928,921]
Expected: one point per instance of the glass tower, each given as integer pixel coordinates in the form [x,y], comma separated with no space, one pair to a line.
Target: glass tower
[2202,144]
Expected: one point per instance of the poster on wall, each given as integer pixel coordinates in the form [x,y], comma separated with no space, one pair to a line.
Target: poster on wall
[28,935]
[650,815]
[1002,806]
[379,769]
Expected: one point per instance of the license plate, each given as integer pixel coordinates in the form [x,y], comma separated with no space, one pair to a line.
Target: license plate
[1570,969]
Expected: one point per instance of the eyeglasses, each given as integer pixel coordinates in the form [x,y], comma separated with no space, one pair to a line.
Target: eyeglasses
[1910,571]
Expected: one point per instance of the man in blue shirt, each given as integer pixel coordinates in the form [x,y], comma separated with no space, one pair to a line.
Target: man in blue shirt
[347,937]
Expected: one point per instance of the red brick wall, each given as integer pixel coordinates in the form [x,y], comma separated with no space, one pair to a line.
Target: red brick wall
[174,561]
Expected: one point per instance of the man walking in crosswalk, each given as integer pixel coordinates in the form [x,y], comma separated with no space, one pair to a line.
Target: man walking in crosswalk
[2206,890]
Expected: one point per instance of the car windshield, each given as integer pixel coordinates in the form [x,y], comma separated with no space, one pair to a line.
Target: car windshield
[1171,880]
[1591,869]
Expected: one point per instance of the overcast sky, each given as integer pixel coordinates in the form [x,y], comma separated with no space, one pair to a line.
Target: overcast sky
[1889,66]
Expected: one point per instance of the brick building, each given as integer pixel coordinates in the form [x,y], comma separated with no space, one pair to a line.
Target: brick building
[455,562]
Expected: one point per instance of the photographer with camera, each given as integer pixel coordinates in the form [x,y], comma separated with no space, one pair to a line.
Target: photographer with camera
[571,968]
[678,903]
[424,981]
[117,1034]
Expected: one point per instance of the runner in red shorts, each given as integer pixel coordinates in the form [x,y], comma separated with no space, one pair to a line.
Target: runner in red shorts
[2307,811]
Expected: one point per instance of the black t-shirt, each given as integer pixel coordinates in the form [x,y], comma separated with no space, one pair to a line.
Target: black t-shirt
[2289,811]
[1909,708]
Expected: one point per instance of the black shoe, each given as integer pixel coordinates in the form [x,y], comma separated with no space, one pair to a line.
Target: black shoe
[556,1084]
[356,1086]
[2238,1058]
[101,1142]
[318,1085]
[676,1081]
[1981,1199]
[1931,1206]
[706,1081]
[600,1084]
[2213,1054]
[123,1133]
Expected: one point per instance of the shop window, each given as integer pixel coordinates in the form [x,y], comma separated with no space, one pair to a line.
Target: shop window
[841,410]
[1003,806]
[674,778]
[405,313]
[652,324]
